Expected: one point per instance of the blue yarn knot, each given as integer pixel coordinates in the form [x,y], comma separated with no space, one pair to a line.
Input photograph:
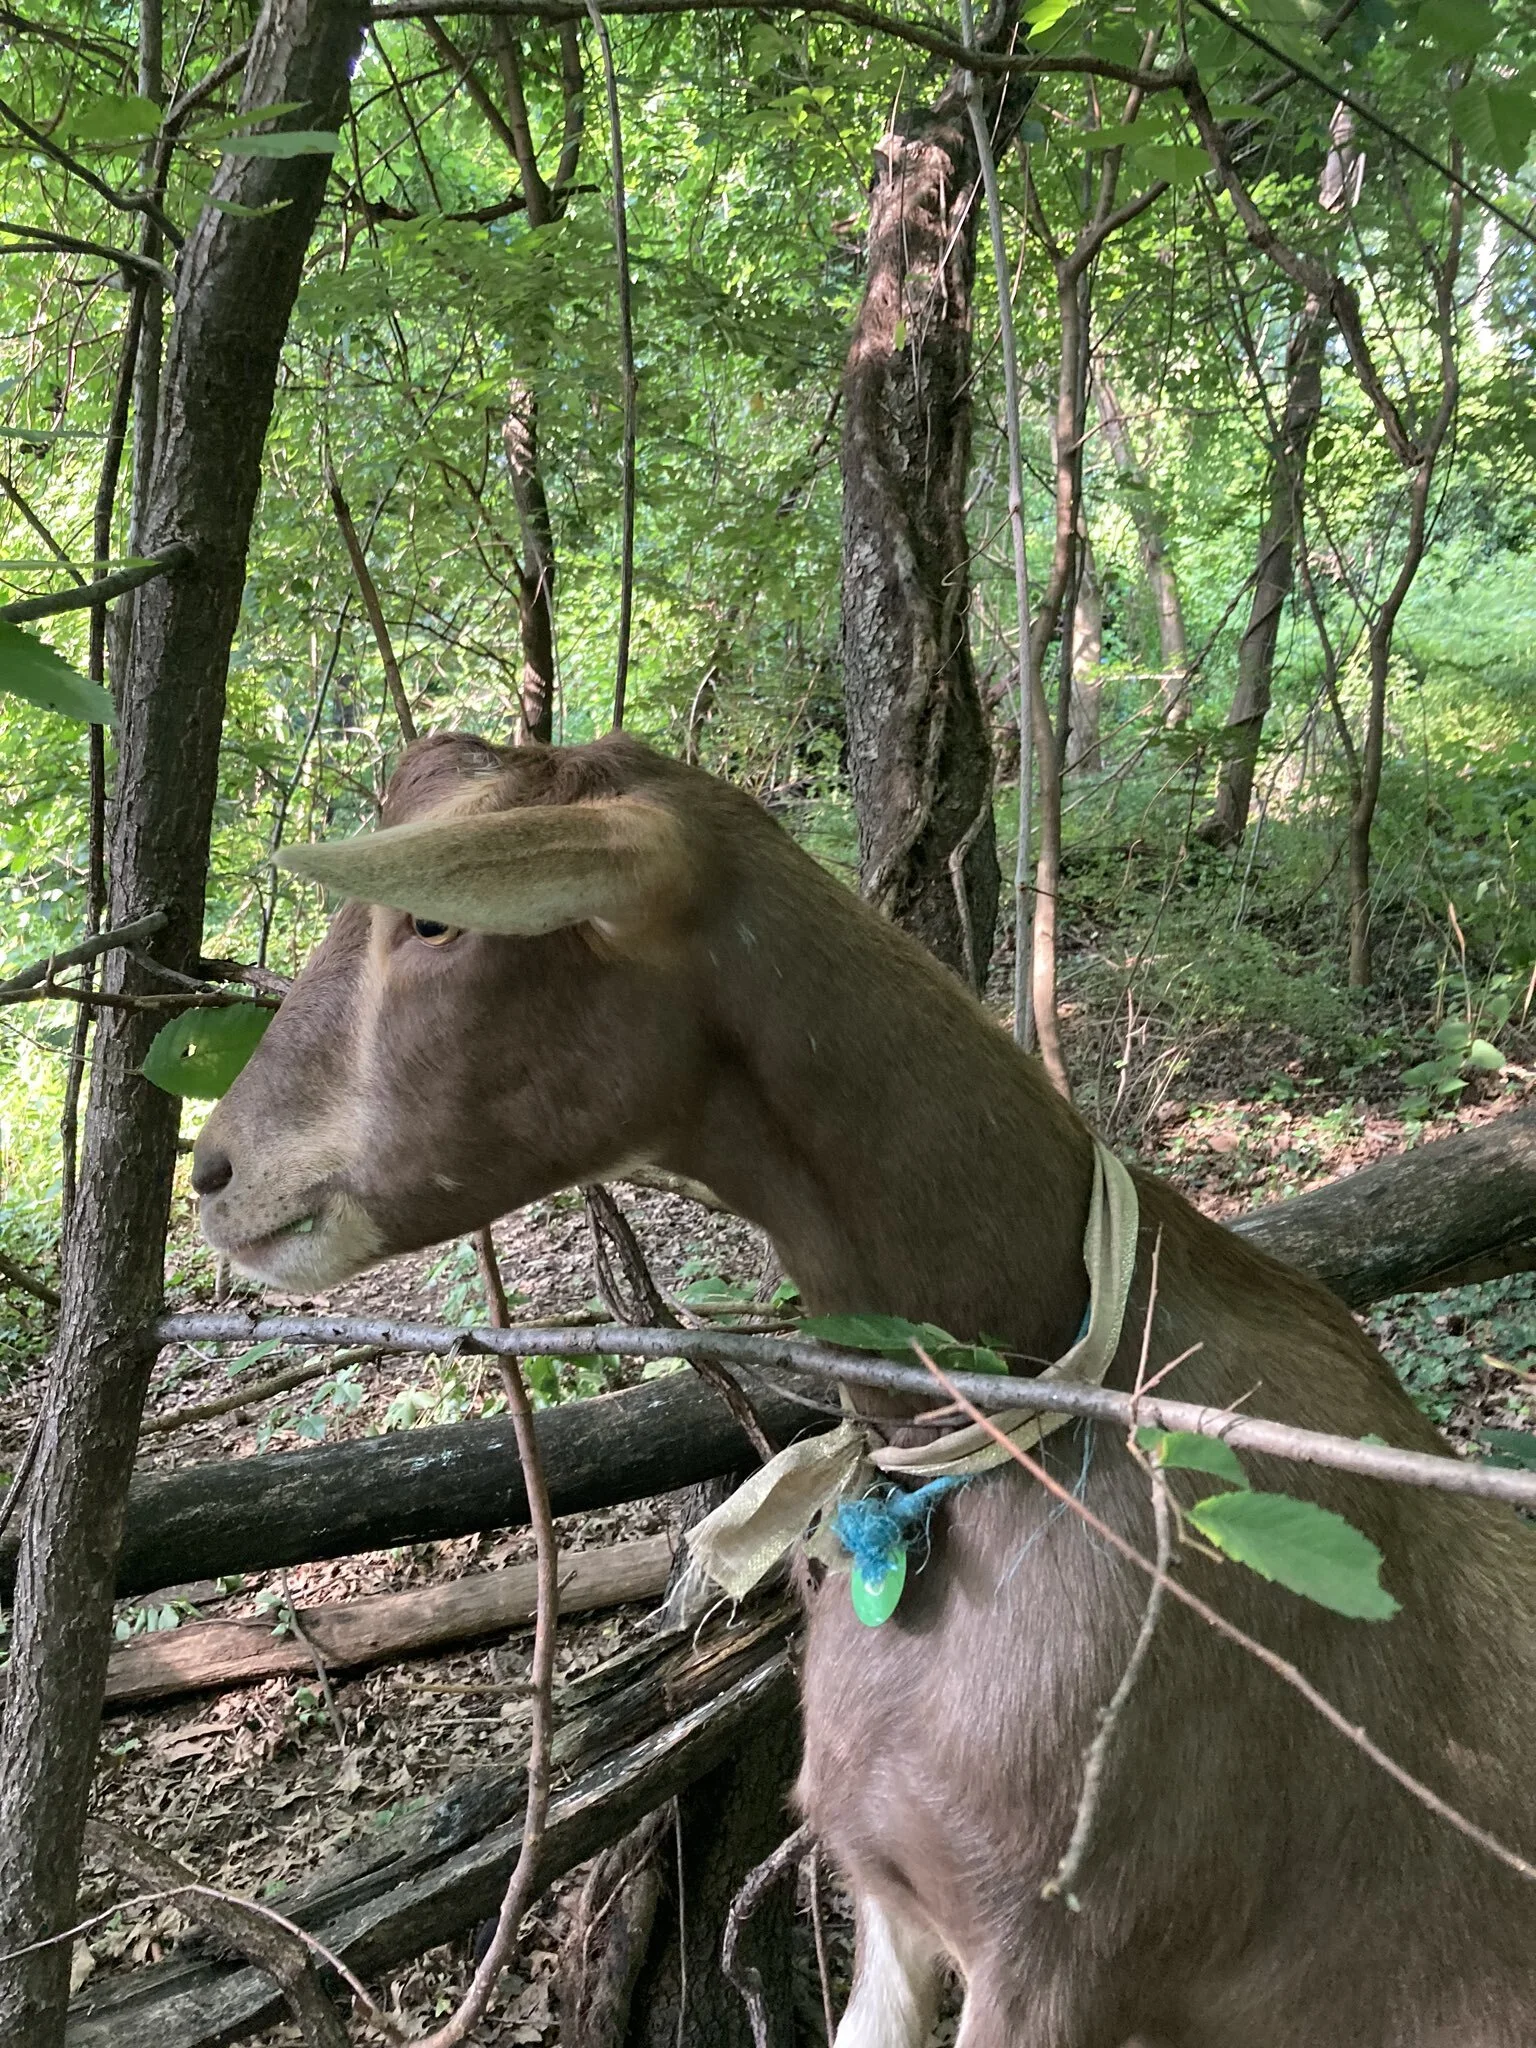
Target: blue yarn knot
[877,1529]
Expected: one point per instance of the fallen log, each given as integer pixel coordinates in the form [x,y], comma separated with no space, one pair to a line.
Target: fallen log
[428,1895]
[423,1485]
[206,1655]
[1400,1224]
[1457,1209]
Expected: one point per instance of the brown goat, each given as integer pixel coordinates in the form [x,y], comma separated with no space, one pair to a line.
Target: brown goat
[557,963]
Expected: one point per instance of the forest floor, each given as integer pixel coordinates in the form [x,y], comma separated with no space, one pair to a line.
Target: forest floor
[253,1787]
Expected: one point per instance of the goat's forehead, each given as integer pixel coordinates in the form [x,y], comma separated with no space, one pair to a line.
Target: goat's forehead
[438,772]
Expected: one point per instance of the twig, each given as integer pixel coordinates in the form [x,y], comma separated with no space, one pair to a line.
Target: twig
[818,1361]
[258,1390]
[1094,1763]
[1062,1885]
[271,1947]
[368,590]
[174,1894]
[87,949]
[21,1475]
[874,19]
[747,1978]
[262,979]
[1267,1657]
[125,259]
[626,367]
[611,1232]
[519,1892]
[114,999]
[819,1932]
[12,1275]
[125,202]
[292,1619]
[103,590]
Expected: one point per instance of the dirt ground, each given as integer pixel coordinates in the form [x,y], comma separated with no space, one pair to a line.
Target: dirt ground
[253,1787]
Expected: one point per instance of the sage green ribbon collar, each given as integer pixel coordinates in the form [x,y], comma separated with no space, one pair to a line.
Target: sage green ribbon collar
[766,1517]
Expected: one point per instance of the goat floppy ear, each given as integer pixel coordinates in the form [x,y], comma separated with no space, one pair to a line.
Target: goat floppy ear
[520,872]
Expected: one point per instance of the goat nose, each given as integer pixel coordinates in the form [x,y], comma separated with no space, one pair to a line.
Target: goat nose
[212,1171]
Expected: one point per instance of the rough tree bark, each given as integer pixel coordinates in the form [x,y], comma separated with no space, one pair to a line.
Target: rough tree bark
[1085,751]
[237,280]
[919,760]
[1272,576]
[1162,582]
[545,202]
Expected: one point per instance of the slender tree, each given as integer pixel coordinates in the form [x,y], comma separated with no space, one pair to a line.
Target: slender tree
[1273,573]
[237,280]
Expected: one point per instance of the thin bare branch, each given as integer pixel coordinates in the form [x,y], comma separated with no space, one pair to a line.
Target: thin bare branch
[12,1275]
[368,590]
[871,18]
[747,1979]
[103,590]
[125,202]
[1243,1432]
[125,259]
[261,1940]
[1336,92]
[541,1676]
[87,949]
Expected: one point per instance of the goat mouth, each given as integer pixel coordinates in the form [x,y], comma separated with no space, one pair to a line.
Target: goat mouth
[318,1247]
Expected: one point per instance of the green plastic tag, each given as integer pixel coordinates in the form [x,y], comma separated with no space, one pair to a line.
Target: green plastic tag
[875,1600]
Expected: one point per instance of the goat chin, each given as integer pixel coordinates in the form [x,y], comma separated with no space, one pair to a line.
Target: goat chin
[341,1240]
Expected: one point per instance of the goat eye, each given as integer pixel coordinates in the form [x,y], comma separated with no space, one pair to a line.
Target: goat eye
[431,932]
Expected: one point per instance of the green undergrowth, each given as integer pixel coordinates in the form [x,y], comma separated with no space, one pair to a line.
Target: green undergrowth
[1467,1355]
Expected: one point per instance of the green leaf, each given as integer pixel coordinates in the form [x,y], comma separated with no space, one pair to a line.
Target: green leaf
[893,1336]
[201,1052]
[1455,1034]
[121,118]
[1459,28]
[1045,14]
[1481,1054]
[1309,1549]
[29,668]
[1495,121]
[235,124]
[257,1351]
[1181,163]
[1183,1451]
[1424,1074]
[1510,1448]
[286,142]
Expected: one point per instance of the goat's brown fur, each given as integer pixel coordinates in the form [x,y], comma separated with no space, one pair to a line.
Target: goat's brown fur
[1253,1882]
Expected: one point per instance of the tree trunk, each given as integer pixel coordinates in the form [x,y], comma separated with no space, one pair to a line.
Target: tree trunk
[918,755]
[1162,583]
[544,202]
[1085,751]
[1059,605]
[536,571]
[1272,577]
[727,1823]
[238,279]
